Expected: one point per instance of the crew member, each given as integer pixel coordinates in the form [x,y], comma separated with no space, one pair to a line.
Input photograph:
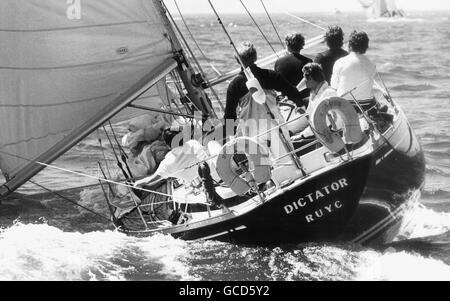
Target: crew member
[269,80]
[334,38]
[354,75]
[291,65]
[320,90]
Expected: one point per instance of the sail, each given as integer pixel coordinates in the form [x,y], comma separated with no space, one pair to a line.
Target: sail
[67,66]
[391,5]
[380,8]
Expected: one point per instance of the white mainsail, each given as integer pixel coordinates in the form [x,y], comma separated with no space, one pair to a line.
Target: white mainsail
[68,66]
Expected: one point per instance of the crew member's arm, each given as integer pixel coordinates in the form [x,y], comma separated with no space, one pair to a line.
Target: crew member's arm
[270,79]
[236,90]
[148,181]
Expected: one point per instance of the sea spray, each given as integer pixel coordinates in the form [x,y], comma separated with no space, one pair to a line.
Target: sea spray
[41,252]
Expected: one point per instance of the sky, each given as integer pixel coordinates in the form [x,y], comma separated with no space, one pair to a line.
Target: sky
[280,6]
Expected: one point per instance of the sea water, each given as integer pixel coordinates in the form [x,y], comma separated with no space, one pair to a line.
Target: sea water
[47,238]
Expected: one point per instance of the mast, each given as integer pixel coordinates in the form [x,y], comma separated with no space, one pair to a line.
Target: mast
[80,84]
[196,94]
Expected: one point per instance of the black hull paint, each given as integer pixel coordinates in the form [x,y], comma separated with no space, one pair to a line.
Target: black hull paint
[278,221]
[393,187]
[369,211]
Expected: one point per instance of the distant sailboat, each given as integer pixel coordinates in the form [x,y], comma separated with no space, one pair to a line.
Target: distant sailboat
[381,8]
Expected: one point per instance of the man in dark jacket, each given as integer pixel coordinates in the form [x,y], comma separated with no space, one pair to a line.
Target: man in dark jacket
[334,39]
[291,65]
[268,79]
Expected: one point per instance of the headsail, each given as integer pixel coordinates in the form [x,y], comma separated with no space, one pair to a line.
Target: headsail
[68,66]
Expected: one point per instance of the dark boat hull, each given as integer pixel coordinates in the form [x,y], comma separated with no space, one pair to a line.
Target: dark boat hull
[394,184]
[367,206]
[318,209]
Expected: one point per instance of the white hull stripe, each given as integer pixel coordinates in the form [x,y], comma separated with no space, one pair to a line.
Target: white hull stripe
[385,222]
[222,233]
[378,227]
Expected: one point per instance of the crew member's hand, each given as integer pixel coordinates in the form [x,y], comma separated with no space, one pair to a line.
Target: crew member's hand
[140,183]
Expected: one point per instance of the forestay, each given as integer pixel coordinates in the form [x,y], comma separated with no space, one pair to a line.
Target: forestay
[68,66]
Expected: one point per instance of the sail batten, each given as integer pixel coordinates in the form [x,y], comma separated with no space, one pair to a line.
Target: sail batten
[64,68]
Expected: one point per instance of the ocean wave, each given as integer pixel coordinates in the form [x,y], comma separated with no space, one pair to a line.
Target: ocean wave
[312,262]
[42,252]
[400,266]
[436,194]
[425,222]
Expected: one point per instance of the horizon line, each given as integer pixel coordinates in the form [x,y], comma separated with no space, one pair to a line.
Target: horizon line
[307,12]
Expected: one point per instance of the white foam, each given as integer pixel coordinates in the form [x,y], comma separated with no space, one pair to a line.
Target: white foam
[42,252]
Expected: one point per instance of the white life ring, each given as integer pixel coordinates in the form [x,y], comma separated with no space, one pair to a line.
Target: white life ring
[348,114]
[256,154]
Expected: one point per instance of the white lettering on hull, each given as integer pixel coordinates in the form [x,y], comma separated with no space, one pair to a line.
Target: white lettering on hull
[322,212]
[317,196]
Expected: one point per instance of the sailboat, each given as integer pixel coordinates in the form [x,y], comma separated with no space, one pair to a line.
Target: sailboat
[381,9]
[68,69]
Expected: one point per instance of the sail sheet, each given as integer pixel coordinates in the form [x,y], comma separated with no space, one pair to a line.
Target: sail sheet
[64,64]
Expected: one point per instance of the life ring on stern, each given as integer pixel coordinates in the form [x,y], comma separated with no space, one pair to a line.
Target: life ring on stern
[349,116]
[256,154]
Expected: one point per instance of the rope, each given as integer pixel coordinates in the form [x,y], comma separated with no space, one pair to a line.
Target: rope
[90,176]
[72,202]
[110,207]
[257,26]
[123,154]
[306,21]
[119,164]
[271,22]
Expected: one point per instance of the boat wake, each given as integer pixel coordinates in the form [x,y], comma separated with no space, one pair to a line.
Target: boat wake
[39,251]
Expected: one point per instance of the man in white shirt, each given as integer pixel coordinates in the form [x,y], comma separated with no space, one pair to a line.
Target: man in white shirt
[355,72]
[320,90]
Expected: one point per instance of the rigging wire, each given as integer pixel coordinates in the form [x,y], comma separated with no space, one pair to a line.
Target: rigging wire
[103,153]
[306,21]
[108,203]
[273,25]
[238,57]
[119,164]
[195,41]
[71,201]
[91,177]
[191,53]
[257,26]
[204,56]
